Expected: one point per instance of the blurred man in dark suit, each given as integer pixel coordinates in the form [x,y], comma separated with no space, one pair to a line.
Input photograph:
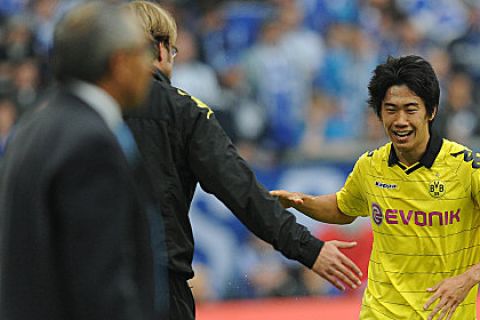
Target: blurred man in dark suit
[74,240]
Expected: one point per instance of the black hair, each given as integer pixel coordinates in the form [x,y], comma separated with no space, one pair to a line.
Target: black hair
[414,72]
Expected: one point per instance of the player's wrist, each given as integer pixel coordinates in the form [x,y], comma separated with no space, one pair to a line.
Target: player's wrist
[473,275]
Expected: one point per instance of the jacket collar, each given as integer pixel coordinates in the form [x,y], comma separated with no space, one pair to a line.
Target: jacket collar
[160,76]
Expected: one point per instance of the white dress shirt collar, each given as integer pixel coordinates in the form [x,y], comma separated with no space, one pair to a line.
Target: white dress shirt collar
[100,101]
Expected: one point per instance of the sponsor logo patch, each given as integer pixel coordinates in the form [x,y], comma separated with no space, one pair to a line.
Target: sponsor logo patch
[377,215]
[383,185]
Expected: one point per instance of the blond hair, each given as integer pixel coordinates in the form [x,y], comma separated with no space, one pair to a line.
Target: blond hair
[156,21]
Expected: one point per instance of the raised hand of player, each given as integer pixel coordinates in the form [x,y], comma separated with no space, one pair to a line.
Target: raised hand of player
[451,292]
[288,199]
[337,268]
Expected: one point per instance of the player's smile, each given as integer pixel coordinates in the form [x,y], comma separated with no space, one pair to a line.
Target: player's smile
[402,135]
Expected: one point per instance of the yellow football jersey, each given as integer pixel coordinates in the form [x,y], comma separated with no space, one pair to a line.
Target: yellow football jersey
[425,221]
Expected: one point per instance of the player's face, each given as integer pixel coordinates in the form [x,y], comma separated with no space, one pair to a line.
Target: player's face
[405,120]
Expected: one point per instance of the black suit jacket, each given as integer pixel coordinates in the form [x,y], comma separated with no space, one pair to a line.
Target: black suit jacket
[74,239]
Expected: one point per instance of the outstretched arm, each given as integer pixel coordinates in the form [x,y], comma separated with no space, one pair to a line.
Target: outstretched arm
[331,263]
[222,172]
[323,208]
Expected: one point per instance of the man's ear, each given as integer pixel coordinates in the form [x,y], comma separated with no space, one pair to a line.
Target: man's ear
[434,113]
[157,52]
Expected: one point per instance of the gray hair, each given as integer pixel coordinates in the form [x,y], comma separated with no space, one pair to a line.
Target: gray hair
[87,37]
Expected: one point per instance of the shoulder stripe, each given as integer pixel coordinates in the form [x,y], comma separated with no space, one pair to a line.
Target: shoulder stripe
[198,102]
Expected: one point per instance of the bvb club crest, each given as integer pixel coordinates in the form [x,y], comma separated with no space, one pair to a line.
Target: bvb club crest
[437,188]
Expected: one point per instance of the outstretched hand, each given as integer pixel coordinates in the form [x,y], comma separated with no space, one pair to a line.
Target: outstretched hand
[288,199]
[451,292]
[337,268]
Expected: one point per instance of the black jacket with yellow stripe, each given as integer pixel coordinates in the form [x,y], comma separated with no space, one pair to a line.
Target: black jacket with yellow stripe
[183,144]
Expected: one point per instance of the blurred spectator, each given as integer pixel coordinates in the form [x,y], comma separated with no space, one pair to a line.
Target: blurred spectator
[321,14]
[410,39]
[458,119]
[8,116]
[46,13]
[19,43]
[228,30]
[465,49]
[277,84]
[305,47]
[440,20]
[200,80]
[379,21]
[195,77]
[6,77]
[12,7]
[26,80]
[350,57]
[440,61]
[320,112]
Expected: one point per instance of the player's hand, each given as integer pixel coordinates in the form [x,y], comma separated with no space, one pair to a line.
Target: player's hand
[288,199]
[337,268]
[451,292]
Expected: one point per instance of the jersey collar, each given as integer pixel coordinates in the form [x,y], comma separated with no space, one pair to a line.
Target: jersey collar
[433,149]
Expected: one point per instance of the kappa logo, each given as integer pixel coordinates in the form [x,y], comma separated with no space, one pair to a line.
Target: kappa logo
[382,185]
[437,189]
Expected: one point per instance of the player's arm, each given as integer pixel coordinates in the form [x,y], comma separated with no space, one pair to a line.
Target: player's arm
[323,208]
[222,172]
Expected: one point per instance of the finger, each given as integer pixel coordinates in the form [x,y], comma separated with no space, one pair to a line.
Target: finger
[295,199]
[437,308]
[430,301]
[350,277]
[452,310]
[435,287]
[349,263]
[345,244]
[335,282]
[277,193]
[344,277]
[445,310]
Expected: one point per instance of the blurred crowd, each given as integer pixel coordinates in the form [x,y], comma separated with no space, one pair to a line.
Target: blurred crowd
[287,80]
